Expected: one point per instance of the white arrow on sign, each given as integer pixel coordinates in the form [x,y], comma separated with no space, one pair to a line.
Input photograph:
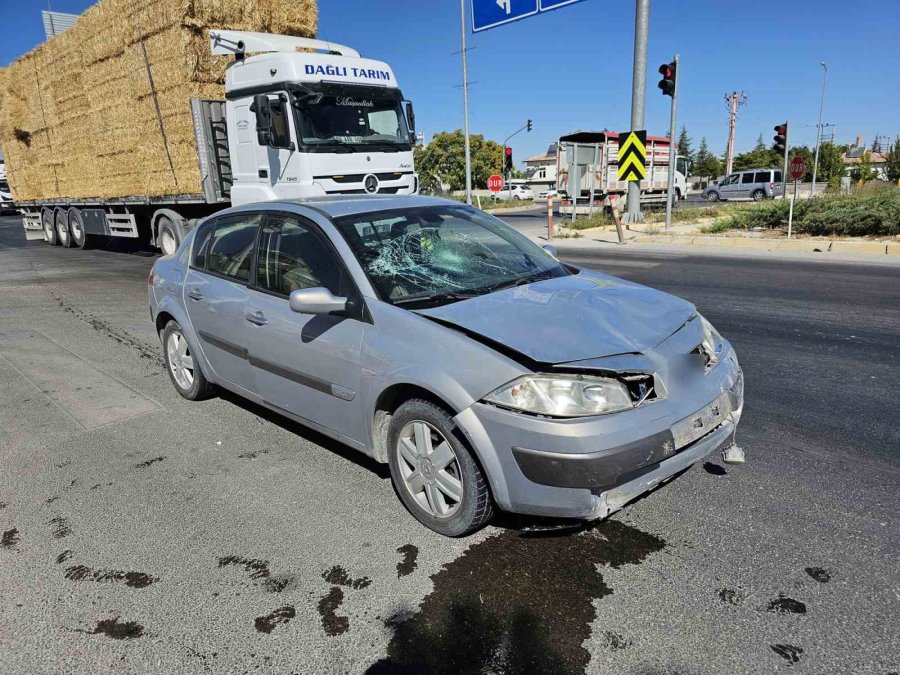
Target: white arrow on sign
[505,4]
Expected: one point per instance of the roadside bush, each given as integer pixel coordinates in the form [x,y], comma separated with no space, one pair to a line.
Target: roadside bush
[875,214]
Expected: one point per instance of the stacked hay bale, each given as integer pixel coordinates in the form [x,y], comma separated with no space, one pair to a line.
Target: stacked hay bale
[79,117]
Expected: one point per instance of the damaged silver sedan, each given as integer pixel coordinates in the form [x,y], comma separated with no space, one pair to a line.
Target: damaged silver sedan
[435,338]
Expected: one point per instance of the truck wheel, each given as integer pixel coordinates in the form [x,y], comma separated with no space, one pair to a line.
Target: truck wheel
[167,238]
[76,229]
[62,228]
[434,472]
[49,227]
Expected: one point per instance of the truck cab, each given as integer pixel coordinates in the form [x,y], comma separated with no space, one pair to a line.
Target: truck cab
[303,124]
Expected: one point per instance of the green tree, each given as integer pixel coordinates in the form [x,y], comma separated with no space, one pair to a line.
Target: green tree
[831,164]
[760,144]
[892,162]
[684,145]
[863,172]
[442,164]
[706,164]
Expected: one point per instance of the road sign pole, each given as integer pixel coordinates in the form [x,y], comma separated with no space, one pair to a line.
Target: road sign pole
[638,83]
[670,192]
[550,218]
[791,213]
[787,147]
[465,68]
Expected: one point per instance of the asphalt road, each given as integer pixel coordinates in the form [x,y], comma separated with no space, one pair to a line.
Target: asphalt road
[187,537]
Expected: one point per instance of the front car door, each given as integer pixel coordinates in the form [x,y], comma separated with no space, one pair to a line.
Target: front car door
[215,293]
[729,186]
[307,365]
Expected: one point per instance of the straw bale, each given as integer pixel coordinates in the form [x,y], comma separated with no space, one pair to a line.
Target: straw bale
[78,117]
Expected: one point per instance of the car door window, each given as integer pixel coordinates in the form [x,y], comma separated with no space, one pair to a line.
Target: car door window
[226,247]
[731,180]
[747,179]
[293,256]
[762,177]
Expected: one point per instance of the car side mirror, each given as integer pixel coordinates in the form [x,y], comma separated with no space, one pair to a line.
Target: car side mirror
[317,300]
[263,111]
[551,249]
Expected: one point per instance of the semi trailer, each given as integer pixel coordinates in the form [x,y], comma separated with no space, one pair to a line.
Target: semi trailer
[300,118]
[588,165]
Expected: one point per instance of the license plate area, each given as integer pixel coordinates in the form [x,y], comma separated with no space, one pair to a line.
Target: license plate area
[703,421]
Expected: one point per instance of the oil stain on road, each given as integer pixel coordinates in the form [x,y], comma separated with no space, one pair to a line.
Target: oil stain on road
[132,579]
[517,602]
[116,629]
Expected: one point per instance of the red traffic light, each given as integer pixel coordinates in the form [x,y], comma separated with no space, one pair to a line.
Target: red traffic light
[667,83]
[666,71]
[781,129]
[509,152]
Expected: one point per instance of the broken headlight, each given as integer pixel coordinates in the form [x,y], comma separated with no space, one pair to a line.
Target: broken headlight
[562,395]
[713,343]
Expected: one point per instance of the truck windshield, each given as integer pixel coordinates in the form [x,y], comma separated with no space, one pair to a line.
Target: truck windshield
[352,120]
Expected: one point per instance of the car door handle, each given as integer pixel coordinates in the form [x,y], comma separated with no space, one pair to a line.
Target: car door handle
[257,318]
[194,294]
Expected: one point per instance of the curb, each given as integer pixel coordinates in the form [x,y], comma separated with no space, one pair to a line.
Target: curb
[808,245]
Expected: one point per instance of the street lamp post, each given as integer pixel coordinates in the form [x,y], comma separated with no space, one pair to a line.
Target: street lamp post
[819,130]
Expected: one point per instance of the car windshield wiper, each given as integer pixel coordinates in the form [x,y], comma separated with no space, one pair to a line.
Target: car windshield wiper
[521,281]
[436,299]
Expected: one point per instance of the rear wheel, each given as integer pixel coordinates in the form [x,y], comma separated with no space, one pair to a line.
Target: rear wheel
[183,369]
[434,472]
[62,228]
[758,195]
[76,229]
[47,220]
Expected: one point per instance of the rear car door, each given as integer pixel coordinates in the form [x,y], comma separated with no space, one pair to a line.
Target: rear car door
[305,364]
[747,184]
[215,293]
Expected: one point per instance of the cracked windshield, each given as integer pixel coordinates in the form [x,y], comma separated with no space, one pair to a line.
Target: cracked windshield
[442,253]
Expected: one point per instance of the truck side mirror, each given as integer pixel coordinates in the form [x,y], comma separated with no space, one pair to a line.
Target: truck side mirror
[263,111]
[411,120]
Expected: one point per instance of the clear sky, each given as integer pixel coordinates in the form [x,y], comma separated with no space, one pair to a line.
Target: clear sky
[571,69]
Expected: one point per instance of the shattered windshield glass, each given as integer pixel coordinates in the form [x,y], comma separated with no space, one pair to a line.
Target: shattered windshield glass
[442,253]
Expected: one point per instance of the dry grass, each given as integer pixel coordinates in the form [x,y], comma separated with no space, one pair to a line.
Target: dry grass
[77,116]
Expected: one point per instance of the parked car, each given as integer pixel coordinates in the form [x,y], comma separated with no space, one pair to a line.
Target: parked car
[514,192]
[547,194]
[435,338]
[755,184]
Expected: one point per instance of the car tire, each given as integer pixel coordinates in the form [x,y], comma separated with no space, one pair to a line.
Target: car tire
[78,236]
[712,196]
[187,377]
[62,228]
[758,195]
[49,224]
[442,474]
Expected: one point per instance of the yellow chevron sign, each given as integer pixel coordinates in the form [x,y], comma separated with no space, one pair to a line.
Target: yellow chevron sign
[633,156]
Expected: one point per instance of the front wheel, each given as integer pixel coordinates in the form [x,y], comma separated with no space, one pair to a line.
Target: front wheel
[434,473]
[712,197]
[183,369]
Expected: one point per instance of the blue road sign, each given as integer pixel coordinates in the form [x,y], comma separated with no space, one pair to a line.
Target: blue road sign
[547,5]
[492,13]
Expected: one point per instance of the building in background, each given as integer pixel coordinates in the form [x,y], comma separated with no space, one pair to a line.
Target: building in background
[854,156]
[540,170]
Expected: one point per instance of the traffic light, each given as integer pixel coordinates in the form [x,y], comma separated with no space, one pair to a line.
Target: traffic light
[508,166]
[529,126]
[669,75]
[781,138]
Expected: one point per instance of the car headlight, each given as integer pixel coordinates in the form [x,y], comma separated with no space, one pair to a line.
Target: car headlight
[562,395]
[713,343]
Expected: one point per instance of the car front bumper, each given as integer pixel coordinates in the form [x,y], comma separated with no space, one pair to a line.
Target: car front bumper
[590,467]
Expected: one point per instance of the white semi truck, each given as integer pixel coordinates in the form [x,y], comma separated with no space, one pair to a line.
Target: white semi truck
[293,124]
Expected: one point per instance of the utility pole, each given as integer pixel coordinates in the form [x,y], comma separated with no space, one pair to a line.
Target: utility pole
[465,69]
[734,100]
[670,192]
[638,84]
[819,130]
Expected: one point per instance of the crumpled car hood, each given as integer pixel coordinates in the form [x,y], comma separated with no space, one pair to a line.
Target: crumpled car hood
[582,316]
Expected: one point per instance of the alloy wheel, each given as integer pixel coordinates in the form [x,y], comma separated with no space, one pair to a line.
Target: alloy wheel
[430,469]
[181,363]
